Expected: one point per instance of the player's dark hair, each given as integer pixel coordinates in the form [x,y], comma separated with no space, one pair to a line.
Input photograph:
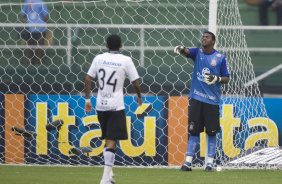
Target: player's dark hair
[210,33]
[114,42]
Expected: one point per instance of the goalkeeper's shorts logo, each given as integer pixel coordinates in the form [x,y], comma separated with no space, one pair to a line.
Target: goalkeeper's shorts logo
[191,126]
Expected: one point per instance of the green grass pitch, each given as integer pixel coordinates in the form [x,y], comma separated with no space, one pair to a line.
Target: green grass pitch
[92,175]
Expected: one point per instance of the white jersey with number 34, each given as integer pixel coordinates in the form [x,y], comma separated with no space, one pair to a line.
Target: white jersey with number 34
[111,69]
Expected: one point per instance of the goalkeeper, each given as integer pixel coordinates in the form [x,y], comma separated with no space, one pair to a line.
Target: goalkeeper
[210,71]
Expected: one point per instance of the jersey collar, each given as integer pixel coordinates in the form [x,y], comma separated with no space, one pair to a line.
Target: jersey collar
[114,52]
[208,53]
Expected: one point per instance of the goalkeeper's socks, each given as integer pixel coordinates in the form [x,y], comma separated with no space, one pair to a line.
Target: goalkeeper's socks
[189,159]
[209,161]
[192,145]
[211,146]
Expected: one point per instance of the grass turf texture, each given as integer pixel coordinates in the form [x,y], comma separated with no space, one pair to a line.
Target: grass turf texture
[92,175]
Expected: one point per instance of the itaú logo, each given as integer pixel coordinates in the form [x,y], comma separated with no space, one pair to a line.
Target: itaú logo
[200,76]
[68,130]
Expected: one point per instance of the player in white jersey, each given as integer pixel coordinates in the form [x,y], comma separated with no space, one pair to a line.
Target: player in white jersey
[111,68]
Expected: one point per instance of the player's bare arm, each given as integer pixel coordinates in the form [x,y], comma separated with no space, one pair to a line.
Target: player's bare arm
[224,80]
[88,105]
[137,89]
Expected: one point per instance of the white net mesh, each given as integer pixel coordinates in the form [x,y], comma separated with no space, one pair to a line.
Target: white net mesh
[44,81]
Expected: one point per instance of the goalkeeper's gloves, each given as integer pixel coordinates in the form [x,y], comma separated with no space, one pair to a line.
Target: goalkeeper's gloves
[211,79]
[179,49]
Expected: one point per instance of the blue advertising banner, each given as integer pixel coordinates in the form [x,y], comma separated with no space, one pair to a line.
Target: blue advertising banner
[274,111]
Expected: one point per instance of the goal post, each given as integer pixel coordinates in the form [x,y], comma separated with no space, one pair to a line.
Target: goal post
[42,118]
[213,28]
[213,16]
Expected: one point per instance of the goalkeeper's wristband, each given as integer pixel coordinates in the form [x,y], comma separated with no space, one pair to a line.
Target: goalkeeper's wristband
[219,79]
[87,100]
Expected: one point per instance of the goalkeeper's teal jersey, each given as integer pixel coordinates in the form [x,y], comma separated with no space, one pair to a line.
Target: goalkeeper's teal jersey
[213,63]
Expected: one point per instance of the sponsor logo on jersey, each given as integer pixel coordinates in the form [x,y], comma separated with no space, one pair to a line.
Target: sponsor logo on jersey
[200,76]
[196,92]
[109,64]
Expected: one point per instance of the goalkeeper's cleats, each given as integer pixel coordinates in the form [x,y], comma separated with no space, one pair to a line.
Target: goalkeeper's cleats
[208,168]
[186,167]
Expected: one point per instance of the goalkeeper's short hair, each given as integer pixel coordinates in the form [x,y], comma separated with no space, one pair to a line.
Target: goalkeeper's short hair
[210,33]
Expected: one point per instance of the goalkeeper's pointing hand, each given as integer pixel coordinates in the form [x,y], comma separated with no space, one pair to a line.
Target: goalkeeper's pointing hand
[179,49]
[211,79]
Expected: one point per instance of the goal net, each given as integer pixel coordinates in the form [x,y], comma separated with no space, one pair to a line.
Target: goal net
[43,65]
